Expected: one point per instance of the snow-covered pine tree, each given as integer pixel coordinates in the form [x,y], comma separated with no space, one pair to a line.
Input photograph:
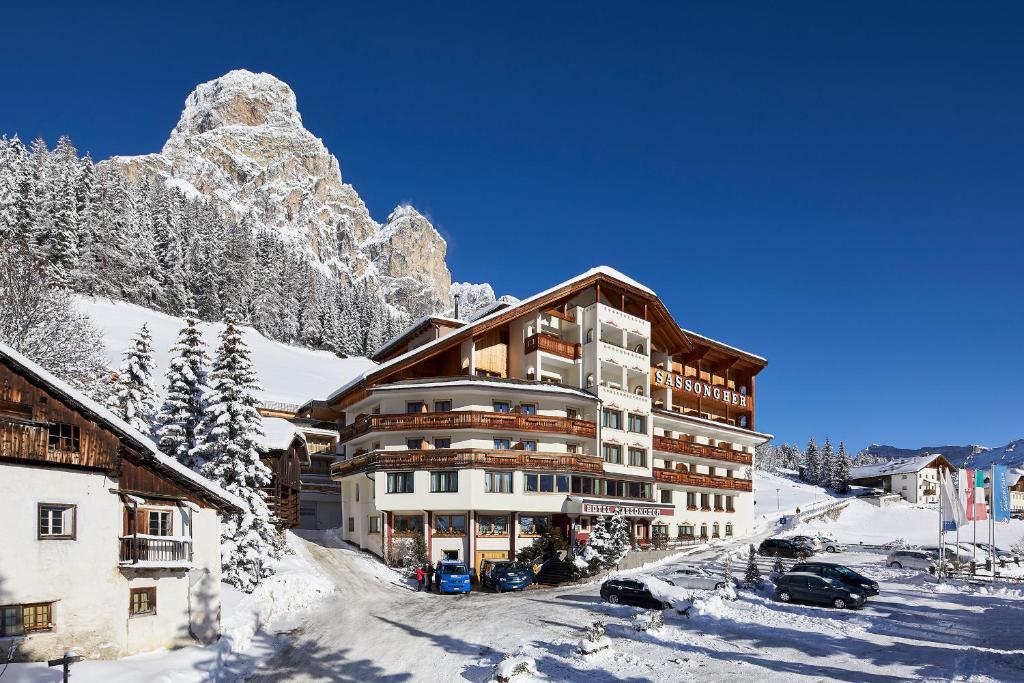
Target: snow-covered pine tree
[842,470]
[57,236]
[134,397]
[228,449]
[618,529]
[182,409]
[170,271]
[597,552]
[826,464]
[811,466]
[752,576]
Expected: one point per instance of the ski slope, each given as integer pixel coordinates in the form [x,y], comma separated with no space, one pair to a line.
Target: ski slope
[289,374]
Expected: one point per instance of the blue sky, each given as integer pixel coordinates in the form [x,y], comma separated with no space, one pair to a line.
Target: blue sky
[837,188]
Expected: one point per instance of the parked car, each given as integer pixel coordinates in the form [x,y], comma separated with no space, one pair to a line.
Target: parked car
[783,547]
[831,545]
[505,575]
[452,577]
[806,587]
[911,559]
[813,542]
[838,572]
[953,553]
[692,576]
[619,591]
[985,549]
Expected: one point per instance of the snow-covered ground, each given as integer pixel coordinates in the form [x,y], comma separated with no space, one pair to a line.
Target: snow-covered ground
[289,374]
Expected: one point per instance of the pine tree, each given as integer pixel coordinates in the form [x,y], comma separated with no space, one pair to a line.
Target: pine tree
[598,551]
[182,409]
[134,398]
[620,541]
[826,464]
[228,450]
[57,236]
[811,470]
[752,576]
[843,469]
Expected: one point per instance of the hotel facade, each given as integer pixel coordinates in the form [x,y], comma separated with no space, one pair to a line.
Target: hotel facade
[578,402]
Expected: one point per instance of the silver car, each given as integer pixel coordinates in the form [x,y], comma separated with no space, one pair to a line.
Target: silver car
[692,576]
[830,545]
[911,559]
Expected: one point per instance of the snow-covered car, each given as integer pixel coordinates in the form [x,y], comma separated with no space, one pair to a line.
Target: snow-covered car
[911,559]
[804,587]
[692,576]
[841,573]
[812,542]
[831,545]
[953,553]
[984,550]
[627,591]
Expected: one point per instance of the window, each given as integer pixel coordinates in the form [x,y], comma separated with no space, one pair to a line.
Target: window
[534,525]
[590,380]
[714,530]
[639,348]
[414,407]
[590,335]
[637,423]
[493,525]
[729,503]
[501,407]
[528,445]
[612,419]
[159,523]
[56,522]
[142,601]
[373,524]
[691,500]
[351,524]
[319,466]
[450,524]
[528,409]
[497,482]
[638,457]
[718,502]
[443,443]
[546,483]
[414,444]
[705,501]
[572,413]
[408,524]
[666,496]
[17,620]
[612,454]
[585,524]
[63,437]
[685,531]
[572,448]
[703,530]
[502,444]
[399,482]
[442,406]
[444,482]
[728,530]
[357,493]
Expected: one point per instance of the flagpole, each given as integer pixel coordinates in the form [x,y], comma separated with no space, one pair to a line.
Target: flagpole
[992,517]
[942,545]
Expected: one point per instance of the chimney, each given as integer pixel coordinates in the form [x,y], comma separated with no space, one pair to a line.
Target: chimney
[456,316]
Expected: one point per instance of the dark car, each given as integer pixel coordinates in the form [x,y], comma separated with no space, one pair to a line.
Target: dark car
[845,575]
[630,592]
[505,575]
[806,587]
[783,547]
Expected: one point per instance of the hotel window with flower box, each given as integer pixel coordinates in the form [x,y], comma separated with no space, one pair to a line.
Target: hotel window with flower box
[450,525]
[685,531]
[444,482]
[691,500]
[400,482]
[497,482]
[408,524]
[534,525]
[492,525]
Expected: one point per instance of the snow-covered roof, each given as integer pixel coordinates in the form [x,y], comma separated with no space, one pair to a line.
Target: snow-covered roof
[278,434]
[901,466]
[146,446]
[452,322]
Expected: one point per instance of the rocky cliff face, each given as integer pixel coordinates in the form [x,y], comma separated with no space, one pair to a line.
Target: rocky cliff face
[240,140]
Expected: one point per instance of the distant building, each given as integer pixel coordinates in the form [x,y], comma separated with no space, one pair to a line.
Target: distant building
[1016,483]
[285,452]
[110,547]
[915,479]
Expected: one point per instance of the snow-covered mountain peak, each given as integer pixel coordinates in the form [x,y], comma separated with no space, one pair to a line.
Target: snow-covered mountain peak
[238,98]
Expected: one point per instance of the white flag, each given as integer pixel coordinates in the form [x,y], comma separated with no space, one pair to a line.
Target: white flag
[952,507]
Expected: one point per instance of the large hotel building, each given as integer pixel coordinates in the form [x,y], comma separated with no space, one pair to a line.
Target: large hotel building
[580,401]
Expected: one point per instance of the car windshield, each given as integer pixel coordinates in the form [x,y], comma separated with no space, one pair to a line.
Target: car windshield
[509,567]
[847,572]
[453,569]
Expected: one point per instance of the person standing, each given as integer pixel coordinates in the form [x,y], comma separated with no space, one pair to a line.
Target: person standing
[430,578]
[419,579]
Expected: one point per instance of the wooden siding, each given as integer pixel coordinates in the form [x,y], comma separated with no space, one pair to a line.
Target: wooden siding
[138,479]
[492,352]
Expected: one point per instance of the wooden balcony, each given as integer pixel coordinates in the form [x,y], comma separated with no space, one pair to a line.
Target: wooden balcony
[463,458]
[664,443]
[553,345]
[467,419]
[155,551]
[706,481]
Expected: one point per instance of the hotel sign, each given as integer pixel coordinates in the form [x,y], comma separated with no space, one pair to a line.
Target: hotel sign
[627,510]
[698,388]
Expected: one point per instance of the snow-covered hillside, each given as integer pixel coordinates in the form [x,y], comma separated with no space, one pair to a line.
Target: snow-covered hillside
[288,374]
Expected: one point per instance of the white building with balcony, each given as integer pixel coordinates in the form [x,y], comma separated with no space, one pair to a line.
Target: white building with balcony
[545,414]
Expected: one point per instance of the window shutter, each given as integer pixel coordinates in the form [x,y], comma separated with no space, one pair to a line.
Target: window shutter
[142,521]
[128,514]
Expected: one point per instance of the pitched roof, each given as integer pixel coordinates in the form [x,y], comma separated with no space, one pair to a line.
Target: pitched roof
[279,434]
[145,446]
[901,466]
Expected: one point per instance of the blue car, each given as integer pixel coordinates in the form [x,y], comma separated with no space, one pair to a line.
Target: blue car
[452,577]
[505,575]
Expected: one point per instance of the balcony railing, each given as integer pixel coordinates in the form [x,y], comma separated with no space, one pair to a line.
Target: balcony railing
[706,481]
[553,345]
[669,445]
[155,550]
[462,458]
[468,419]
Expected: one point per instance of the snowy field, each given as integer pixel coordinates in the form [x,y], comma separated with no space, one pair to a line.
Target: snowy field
[289,374]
